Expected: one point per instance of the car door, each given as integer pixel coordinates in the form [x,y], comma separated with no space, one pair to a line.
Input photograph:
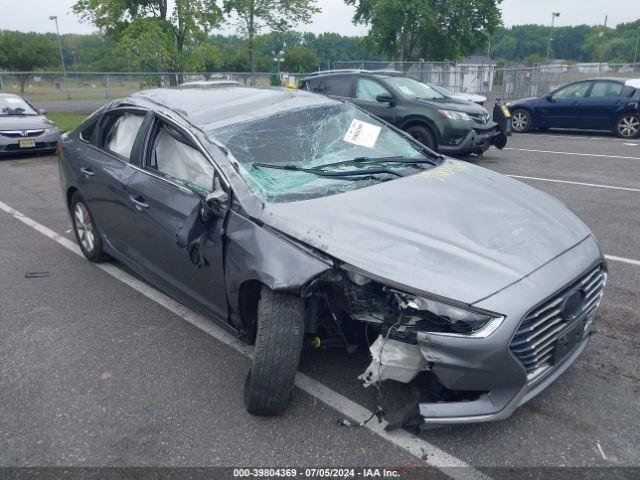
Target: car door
[367,92]
[169,187]
[563,108]
[603,104]
[104,172]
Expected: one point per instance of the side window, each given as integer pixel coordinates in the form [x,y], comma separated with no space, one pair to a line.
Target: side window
[368,90]
[86,134]
[172,157]
[577,90]
[121,132]
[312,85]
[340,86]
[606,89]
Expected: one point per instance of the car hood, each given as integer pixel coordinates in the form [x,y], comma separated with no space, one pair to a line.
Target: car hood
[23,122]
[457,230]
[454,104]
[471,97]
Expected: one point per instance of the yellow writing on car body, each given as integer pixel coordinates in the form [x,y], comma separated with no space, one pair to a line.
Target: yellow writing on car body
[450,167]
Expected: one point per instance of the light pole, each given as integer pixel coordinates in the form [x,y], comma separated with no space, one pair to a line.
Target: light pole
[554,15]
[279,57]
[64,69]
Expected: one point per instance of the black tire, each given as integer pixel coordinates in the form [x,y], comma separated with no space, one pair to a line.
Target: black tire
[424,135]
[95,253]
[269,385]
[628,125]
[521,121]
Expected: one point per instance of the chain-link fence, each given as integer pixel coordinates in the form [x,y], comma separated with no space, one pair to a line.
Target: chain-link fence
[83,92]
[508,83]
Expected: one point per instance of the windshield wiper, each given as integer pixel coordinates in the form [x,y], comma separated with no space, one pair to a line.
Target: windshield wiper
[324,173]
[394,159]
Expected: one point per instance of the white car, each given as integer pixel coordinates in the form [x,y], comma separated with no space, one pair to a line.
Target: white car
[469,97]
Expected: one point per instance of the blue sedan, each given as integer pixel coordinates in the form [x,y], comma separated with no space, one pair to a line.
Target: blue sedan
[611,104]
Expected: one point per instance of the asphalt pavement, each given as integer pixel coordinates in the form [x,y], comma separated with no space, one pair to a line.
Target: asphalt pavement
[94,372]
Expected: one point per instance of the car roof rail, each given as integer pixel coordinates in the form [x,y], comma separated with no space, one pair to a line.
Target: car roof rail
[338,70]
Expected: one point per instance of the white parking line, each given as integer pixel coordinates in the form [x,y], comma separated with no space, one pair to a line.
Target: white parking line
[630,261]
[428,454]
[571,153]
[574,137]
[596,185]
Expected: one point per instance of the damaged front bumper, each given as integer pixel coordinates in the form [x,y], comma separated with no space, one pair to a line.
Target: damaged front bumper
[487,378]
[476,142]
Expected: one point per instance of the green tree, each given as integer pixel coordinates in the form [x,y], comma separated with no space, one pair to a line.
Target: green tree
[161,34]
[430,29]
[25,52]
[279,15]
[300,59]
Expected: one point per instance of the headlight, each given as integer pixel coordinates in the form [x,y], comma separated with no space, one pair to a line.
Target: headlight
[52,129]
[454,320]
[454,115]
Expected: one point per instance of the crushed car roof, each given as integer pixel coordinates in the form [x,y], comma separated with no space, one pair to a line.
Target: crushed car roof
[225,104]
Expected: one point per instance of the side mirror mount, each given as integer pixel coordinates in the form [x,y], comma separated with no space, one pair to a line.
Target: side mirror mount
[217,200]
[549,97]
[384,98]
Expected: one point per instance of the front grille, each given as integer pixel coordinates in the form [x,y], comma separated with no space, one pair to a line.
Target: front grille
[21,133]
[535,340]
[480,117]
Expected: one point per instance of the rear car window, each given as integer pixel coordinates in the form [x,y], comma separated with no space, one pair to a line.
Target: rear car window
[122,132]
[606,89]
[339,86]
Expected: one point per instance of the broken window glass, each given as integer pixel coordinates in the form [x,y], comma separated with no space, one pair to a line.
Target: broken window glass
[311,137]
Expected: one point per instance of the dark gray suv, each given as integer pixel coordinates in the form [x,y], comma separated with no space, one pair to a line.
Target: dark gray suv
[442,123]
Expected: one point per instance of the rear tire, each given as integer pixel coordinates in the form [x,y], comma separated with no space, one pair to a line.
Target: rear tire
[628,125]
[521,121]
[269,385]
[423,135]
[86,230]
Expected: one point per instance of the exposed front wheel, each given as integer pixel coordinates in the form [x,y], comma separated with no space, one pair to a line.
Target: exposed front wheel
[521,121]
[424,136]
[86,230]
[628,125]
[269,384]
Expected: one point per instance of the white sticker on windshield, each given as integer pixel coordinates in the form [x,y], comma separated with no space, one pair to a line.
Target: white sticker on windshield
[362,133]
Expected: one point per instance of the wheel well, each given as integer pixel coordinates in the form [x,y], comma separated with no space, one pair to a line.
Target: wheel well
[421,123]
[70,193]
[248,305]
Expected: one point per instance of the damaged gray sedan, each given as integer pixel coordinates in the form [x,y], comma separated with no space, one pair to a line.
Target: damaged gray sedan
[295,220]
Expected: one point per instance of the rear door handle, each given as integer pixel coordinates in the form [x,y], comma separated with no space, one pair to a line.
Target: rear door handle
[138,202]
[87,172]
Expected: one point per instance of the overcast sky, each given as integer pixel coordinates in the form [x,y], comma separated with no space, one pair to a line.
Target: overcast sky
[32,15]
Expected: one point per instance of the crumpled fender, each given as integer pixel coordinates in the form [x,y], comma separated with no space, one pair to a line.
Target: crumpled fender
[253,252]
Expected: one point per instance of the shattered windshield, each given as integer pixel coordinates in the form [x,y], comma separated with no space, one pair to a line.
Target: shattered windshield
[270,152]
[15,106]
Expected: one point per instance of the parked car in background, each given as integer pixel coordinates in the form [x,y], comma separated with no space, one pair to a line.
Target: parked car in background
[611,104]
[469,97]
[292,218]
[24,128]
[444,124]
